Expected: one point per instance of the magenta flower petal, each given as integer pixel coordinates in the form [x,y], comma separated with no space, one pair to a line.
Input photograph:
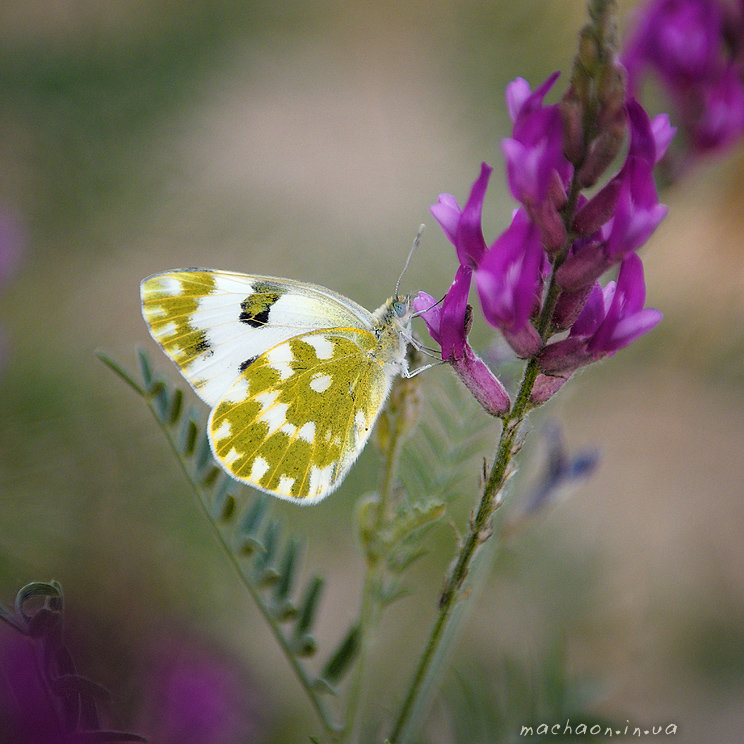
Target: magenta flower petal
[642,141]
[535,150]
[594,310]
[521,102]
[517,93]
[445,321]
[431,313]
[508,277]
[454,307]
[463,227]
[469,241]
[637,213]
[625,320]
[470,368]
[663,133]
[447,213]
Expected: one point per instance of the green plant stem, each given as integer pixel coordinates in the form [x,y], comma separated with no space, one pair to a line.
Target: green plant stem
[481,526]
[329,726]
[480,530]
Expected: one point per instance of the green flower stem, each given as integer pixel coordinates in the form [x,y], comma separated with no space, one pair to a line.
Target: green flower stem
[479,532]
[481,526]
[329,726]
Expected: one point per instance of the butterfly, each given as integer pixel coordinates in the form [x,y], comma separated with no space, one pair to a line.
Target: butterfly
[295,374]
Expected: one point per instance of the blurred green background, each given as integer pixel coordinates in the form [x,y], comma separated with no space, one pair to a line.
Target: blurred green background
[308,140]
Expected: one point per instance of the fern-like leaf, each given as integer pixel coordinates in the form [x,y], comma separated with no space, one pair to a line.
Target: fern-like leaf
[253,539]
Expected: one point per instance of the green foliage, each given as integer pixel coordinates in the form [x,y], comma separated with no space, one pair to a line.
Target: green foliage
[438,463]
[267,561]
[491,704]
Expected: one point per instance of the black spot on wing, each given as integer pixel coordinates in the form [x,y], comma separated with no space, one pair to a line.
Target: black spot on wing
[202,346]
[253,319]
[247,363]
[255,308]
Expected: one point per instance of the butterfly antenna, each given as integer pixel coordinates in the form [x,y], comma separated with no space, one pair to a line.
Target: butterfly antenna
[416,243]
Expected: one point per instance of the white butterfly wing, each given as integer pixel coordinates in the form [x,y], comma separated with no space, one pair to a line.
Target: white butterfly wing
[214,324]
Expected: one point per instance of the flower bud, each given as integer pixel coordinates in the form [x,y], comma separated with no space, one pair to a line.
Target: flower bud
[572,113]
[603,150]
[482,383]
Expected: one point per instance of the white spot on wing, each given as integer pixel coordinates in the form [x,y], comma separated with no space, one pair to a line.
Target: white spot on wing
[265,400]
[224,430]
[288,429]
[231,456]
[285,485]
[169,285]
[323,347]
[320,479]
[275,417]
[307,432]
[238,392]
[259,469]
[360,419]
[279,358]
[320,382]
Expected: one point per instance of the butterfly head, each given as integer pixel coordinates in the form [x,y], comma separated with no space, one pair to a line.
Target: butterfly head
[402,307]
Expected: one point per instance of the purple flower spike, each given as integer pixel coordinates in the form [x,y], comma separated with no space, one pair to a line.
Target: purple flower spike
[611,319]
[470,368]
[508,280]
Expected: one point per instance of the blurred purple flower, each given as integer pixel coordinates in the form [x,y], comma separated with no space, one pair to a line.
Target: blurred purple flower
[695,48]
[611,319]
[27,711]
[721,119]
[198,697]
[680,39]
[562,470]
